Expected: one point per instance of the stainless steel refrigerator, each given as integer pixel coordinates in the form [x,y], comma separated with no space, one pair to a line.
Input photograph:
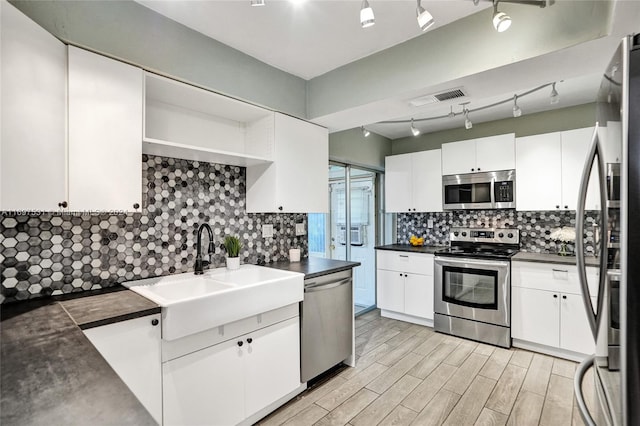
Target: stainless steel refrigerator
[614,165]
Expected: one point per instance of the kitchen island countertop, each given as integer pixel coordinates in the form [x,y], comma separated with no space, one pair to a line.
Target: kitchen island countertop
[313,267]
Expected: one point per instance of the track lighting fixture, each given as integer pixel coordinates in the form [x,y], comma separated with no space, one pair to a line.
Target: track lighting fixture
[555,97]
[467,122]
[501,21]
[517,112]
[414,130]
[425,20]
[257,2]
[365,132]
[366,15]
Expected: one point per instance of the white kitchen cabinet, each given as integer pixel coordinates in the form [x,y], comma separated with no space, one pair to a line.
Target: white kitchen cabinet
[228,382]
[405,285]
[479,155]
[390,290]
[105,133]
[33,114]
[547,307]
[549,168]
[413,182]
[296,181]
[535,316]
[133,349]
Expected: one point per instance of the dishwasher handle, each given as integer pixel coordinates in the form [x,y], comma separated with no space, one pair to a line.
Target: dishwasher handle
[311,287]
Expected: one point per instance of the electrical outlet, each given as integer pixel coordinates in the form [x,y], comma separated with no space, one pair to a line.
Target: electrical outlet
[300,229]
[430,223]
[267,231]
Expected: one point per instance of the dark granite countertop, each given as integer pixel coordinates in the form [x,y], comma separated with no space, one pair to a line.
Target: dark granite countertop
[313,267]
[52,375]
[553,258]
[103,309]
[410,248]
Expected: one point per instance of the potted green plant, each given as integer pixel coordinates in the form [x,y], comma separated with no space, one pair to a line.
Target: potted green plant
[232,246]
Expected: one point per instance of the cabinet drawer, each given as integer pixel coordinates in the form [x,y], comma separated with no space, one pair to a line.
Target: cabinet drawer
[551,277]
[415,263]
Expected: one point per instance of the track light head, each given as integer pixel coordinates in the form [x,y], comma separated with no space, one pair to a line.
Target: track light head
[367,19]
[517,112]
[257,2]
[414,130]
[555,97]
[425,20]
[365,132]
[501,21]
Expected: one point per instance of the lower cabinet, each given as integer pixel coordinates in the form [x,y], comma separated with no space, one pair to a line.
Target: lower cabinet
[133,349]
[405,284]
[547,307]
[227,383]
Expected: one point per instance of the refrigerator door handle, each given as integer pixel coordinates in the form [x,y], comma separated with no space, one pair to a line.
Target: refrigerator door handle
[577,388]
[595,154]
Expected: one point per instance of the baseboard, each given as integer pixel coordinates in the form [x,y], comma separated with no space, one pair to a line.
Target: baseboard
[272,407]
[549,350]
[407,318]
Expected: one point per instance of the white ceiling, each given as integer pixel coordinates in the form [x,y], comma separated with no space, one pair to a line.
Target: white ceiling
[316,36]
[312,37]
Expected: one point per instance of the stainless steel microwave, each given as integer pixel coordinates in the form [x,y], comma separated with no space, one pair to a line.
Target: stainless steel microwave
[487,190]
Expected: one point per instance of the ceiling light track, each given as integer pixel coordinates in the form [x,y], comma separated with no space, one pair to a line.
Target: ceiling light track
[466,110]
[501,21]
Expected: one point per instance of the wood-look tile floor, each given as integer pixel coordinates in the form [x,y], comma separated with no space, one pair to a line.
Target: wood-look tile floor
[408,374]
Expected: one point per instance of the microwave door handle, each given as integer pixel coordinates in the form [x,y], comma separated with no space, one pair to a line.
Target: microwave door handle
[492,191]
[593,158]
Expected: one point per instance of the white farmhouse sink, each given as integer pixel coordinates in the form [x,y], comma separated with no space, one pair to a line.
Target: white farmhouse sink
[194,303]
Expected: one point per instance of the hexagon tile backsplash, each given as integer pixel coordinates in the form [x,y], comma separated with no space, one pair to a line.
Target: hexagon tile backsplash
[51,253]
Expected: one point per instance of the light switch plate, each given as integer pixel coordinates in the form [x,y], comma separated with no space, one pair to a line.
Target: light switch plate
[267,231]
[300,229]
[430,223]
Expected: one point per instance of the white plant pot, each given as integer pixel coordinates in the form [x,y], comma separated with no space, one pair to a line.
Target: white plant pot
[233,263]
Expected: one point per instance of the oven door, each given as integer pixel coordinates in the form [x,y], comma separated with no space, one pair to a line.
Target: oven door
[474,289]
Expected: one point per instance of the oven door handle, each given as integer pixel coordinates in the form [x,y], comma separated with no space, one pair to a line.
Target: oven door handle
[475,262]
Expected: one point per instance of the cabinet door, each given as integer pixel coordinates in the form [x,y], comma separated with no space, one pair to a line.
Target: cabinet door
[132,349]
[390,285]
[427,180]
[575,333]
[105,133]
[272,364]
[34,103]
[418,295]
[205,387]
[302,162]
[538,172]
[535,316]
[575,147]
[459,157]
[398,183]
[496,153]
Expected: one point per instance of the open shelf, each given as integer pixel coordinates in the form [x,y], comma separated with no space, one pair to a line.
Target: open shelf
[197,153]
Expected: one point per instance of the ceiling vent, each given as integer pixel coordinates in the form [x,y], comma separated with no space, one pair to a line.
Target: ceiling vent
[438,97]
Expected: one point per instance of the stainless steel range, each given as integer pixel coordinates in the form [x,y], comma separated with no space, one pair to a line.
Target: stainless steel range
[473,284]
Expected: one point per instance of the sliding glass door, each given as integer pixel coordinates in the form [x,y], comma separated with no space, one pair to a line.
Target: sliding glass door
[349,231]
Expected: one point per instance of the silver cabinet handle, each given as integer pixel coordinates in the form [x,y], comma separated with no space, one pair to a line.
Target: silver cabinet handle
[403,255]
[560,270]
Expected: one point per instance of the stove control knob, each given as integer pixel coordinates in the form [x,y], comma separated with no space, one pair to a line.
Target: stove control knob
[510,235]
[501,235]
[455,233]
[464,234]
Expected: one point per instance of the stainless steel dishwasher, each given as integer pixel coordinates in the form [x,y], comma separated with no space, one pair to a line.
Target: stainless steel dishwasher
[327,322]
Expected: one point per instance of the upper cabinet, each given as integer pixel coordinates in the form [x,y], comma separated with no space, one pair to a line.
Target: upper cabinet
[413,182]
[33,115]
[297,180]
[105,133]
[479,155]
[549,168]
